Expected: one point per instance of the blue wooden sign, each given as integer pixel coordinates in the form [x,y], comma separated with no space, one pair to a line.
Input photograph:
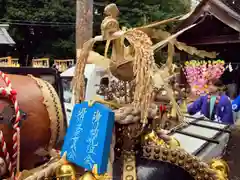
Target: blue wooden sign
[89,135]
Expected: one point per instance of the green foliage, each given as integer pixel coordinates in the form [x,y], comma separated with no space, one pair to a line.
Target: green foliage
[41,40]
[146,11]
[59,42]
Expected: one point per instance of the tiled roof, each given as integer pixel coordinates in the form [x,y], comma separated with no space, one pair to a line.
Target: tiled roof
[5,38]
[227,11]
[233,4]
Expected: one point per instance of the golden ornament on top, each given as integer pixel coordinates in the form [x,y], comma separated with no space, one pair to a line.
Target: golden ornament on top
[94,175]
[66,172]
[87,176]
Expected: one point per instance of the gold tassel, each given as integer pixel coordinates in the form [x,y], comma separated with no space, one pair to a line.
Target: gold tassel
[173,112]
[106,48]
[183,106]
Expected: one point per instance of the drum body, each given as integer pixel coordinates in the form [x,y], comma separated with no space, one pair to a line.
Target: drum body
[43,126]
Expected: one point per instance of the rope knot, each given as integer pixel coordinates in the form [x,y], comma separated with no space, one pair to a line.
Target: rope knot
[12,162]
[13,92]
[6,92]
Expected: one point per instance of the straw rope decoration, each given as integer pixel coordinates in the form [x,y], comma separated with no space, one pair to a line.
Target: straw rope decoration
[5,153]
[142,68]
[11,94]
[78,83]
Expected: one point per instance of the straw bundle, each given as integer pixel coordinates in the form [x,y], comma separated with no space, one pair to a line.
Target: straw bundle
[142,69]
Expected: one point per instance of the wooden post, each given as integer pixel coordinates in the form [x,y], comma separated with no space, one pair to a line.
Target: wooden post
[9,58]
[84,23]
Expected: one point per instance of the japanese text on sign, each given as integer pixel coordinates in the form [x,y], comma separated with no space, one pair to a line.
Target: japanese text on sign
[92,144]
[78,131]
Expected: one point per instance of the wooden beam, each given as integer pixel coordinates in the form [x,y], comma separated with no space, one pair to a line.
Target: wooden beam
[225,14]
[197,13]
[223,39]
[84,22]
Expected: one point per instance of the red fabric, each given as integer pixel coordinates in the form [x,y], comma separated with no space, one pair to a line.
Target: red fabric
[162,108]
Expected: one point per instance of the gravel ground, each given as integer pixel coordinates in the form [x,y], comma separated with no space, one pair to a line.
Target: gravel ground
[232,155]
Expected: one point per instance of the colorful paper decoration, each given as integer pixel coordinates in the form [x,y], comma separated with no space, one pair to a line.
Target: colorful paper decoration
[198,73]
[88,137]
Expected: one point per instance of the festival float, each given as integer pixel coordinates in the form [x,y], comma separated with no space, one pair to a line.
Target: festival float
[118,135]
[40,63]
[9,62]
[63,64]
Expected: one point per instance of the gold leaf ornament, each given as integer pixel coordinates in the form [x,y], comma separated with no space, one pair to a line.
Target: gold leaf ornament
[221,168]
[94,175]
[66,172]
